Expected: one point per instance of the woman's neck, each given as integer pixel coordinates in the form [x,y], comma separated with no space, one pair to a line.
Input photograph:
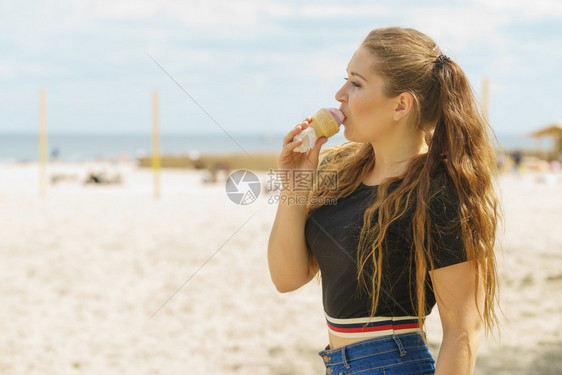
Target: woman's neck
[392,158]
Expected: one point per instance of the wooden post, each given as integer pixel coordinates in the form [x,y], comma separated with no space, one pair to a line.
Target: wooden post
[42,142]
[486,99]
[155,145]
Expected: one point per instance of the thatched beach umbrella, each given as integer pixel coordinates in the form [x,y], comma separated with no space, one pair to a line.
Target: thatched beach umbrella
[553,131]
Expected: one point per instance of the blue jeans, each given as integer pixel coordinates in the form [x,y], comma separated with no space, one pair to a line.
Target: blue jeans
[403,354]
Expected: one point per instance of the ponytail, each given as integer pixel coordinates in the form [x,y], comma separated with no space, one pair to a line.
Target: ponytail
[462,140]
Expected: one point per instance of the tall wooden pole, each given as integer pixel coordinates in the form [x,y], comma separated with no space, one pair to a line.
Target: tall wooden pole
[486,99]
[42,142]
[155,145]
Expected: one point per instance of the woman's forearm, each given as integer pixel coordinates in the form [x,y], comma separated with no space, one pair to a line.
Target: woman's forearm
[288,256]
[457,355]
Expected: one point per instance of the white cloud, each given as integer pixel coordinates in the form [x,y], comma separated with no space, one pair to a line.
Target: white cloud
[211,15]
[459,27]
[6,71]
[523,8]
[336,11]
[214,16]
[219,47]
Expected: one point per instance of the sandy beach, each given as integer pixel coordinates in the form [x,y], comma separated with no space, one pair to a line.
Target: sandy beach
[104,279]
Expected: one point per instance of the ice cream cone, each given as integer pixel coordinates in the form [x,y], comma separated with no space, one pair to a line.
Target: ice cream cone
[325,123]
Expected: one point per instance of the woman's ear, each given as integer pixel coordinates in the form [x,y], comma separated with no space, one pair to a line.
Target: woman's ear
[404,105]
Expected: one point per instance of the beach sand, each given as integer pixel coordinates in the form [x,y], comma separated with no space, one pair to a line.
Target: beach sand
[104,279]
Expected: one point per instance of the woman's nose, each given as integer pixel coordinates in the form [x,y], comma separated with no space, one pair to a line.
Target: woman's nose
[341,95]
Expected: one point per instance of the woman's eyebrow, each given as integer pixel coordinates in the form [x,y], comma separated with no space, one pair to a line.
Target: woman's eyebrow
[358,75]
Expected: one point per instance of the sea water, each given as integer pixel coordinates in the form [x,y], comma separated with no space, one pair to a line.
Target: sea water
[106,146]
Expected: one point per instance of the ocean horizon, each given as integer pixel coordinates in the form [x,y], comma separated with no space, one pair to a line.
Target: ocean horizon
[76,147]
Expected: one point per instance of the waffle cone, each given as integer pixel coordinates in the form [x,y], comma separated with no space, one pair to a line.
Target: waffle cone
[324,124]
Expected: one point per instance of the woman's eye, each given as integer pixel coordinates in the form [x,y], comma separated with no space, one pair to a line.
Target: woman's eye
[353,83]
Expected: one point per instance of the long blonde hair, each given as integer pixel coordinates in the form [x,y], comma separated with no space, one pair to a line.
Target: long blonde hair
[460,140]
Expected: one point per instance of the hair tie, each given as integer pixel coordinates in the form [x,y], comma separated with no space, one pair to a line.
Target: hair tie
[440,60]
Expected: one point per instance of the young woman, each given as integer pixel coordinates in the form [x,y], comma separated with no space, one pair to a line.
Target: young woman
[415,217]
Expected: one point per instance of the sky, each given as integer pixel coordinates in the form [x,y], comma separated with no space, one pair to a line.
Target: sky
[254,65]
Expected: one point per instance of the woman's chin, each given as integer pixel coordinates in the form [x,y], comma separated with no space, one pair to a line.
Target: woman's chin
[346,135]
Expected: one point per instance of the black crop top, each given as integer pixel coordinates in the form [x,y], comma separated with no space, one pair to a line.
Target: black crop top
[332,234]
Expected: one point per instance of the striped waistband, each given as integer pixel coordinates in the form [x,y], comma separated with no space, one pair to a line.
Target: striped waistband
[372,327]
